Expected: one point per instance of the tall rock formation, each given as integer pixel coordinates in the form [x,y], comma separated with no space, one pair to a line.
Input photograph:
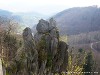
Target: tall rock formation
[44,54]
[53,55]
[26,59]
[31,54]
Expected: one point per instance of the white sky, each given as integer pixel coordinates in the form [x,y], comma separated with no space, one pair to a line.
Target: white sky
[44,6]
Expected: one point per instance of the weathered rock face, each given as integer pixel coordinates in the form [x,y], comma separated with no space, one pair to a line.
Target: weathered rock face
[31,54]
[46,35]
[61,59]
[52,24]
[55,51]
[47,31]
[45,26]
[27,34]
[42,26]
[26,60]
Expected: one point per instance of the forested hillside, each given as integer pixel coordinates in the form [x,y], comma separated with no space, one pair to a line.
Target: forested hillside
[78,20]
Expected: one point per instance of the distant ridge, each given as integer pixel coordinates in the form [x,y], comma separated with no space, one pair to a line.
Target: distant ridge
[78,20]
[28,19]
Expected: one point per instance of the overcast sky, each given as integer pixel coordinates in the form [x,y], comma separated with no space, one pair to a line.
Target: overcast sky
[44,6]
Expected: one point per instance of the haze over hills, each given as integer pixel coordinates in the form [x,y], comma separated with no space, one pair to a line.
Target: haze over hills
[5,13]
[78,20]
[31,18]
[28,19]
[70,21]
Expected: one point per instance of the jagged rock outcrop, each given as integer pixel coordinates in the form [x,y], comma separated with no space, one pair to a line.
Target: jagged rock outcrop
[55,51]
[60,61]
[31,53]
[44,54]
[47,36]
[26,59]
[42,26]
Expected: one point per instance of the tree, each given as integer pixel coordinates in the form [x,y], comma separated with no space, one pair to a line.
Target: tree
[87,67]
[76,62]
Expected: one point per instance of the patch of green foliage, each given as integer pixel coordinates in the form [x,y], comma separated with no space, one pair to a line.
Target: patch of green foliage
[87,67]
[42,54]
[80,50]
[49,60]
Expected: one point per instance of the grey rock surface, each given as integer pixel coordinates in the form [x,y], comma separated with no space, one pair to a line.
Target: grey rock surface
[52,24]
[27,55]
[57,55]
[42,26]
